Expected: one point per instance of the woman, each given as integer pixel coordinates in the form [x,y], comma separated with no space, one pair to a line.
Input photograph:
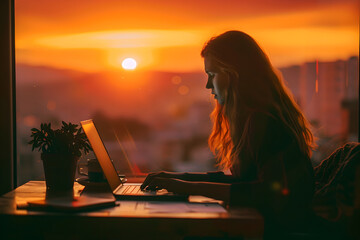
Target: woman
[259,133]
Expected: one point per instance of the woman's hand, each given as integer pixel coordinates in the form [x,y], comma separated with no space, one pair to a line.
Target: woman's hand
[170,184]
[151,176]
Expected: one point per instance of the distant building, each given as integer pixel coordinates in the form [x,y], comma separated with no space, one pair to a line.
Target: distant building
[328,93]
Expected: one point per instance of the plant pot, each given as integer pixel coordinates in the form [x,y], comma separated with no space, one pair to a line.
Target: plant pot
[59,171]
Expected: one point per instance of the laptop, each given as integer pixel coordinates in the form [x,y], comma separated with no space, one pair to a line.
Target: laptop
[121,190]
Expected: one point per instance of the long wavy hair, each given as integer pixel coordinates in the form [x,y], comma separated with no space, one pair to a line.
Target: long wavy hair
[255,86]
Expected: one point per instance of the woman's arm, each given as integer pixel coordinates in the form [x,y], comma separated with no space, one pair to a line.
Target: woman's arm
[219,191]
[241,193]
[215,177]
[218,177]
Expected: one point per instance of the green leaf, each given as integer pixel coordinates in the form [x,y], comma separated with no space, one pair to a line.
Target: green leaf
[68,139]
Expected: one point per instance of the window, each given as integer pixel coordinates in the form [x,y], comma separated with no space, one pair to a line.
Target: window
[69,67]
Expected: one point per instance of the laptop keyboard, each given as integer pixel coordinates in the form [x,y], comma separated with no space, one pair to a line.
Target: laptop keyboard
[130,190]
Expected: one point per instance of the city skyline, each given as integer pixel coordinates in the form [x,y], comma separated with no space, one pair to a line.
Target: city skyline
[320,88]
[173,110]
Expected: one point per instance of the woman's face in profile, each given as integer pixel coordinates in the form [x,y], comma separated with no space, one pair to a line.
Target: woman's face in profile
[218,80]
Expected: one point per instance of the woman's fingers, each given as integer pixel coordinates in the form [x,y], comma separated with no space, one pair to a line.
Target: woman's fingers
[150,177]
[146,181]
[170,184]
[156,183]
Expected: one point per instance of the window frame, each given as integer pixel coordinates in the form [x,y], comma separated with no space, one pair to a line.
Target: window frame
[8,161]
[7,91]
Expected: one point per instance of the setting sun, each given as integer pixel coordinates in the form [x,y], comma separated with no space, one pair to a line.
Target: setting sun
[129,64]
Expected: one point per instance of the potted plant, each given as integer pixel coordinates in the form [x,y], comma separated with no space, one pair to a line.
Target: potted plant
[60,150]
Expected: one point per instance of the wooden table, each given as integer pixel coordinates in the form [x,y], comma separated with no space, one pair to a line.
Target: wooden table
[131,219]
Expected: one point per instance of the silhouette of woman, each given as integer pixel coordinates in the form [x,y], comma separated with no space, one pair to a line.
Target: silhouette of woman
[259,133]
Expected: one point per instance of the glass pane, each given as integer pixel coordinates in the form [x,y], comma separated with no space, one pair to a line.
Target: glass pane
[69,66]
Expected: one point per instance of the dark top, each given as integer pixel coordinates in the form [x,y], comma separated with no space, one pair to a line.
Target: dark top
[276,178]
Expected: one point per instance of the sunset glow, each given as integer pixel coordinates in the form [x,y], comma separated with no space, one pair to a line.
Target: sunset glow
[116,39]
[162,38]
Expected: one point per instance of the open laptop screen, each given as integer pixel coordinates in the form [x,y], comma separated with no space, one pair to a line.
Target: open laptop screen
[101,154]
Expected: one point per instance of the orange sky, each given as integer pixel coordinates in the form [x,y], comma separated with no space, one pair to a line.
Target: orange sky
[94,35]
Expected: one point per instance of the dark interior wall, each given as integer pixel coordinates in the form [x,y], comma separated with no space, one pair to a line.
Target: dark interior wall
[6,96]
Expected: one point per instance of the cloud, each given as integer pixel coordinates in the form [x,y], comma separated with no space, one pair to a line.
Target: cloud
[117,39]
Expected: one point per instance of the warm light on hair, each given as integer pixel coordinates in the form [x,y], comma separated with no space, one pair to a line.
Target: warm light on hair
[254,87]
